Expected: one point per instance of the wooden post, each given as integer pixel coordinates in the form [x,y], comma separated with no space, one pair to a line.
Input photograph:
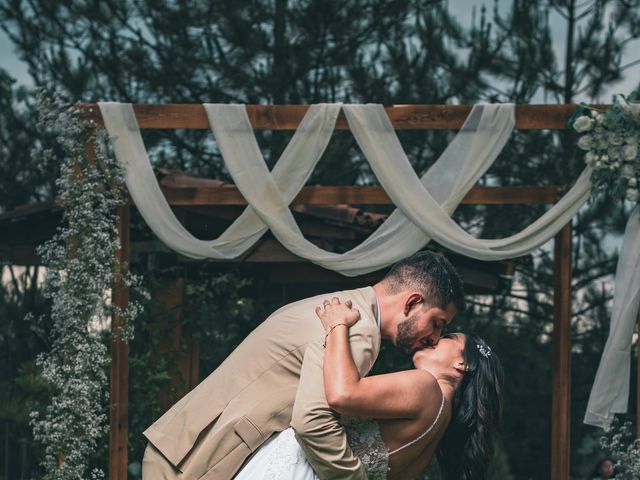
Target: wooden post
[168,298]
[119,368]
[119,375]
[561,393]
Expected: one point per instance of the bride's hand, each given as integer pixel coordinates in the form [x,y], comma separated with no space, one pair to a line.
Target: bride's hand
[334,313]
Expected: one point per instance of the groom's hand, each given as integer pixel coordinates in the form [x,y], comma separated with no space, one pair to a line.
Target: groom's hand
[335,313]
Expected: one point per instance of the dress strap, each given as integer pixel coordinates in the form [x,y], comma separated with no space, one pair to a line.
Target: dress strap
[422,435]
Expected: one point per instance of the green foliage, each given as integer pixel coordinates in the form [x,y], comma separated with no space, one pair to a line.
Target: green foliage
[21,388]
[219,316]
[150,369]
[22,179]
[215,313]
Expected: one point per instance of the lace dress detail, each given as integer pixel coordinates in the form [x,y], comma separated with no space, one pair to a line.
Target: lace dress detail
[286,458]
[363,435]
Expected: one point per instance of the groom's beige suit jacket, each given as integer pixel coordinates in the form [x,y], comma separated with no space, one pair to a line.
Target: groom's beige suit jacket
[272,380]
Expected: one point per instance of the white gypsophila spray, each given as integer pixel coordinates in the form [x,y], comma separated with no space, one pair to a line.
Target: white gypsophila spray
[620,443]
[80,265]
[610,141]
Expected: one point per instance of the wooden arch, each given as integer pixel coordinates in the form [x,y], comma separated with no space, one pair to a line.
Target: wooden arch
[403,117]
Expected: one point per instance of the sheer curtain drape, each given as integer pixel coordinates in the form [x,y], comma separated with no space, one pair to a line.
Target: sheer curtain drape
[424,205]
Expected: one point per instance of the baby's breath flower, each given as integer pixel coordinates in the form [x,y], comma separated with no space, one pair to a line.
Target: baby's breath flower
[76,366]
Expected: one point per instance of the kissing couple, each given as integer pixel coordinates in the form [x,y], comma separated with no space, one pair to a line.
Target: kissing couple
[293,401]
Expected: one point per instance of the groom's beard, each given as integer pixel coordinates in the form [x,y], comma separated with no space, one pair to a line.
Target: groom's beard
[407,330]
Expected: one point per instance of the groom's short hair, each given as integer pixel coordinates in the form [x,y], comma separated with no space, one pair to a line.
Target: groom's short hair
[431,274]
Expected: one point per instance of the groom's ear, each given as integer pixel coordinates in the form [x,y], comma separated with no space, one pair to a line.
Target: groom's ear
[413,299]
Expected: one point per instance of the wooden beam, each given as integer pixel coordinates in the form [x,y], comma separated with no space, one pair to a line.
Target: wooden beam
[288,117]
[119,369]
[335,195]
[561,392]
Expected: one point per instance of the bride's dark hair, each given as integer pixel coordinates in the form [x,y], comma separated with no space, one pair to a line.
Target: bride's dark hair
[465,450]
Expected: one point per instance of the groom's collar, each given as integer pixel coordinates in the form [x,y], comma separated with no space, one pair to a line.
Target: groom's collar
[378,321]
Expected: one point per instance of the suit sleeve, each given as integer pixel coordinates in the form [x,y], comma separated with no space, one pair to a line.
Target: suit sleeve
[316,426]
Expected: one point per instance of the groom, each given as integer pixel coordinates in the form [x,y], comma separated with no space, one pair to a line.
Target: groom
[274,379]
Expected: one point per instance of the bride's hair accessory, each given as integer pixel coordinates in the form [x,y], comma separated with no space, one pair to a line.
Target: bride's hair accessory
[485,352]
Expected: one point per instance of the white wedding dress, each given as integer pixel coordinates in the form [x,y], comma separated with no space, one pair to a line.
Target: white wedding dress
[281,458]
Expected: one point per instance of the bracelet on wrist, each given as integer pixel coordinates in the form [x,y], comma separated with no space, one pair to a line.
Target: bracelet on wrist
[324,345]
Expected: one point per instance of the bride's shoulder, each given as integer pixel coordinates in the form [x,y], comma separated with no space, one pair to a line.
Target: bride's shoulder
[431,397]
[425,383]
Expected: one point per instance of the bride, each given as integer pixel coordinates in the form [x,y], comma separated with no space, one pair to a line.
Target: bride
[449,406]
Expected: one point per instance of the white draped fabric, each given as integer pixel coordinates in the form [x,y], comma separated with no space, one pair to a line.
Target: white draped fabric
[610,390]
[424,205]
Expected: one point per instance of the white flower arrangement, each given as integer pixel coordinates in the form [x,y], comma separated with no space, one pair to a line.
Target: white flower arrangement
[610,141]
[75,369]
[620,442]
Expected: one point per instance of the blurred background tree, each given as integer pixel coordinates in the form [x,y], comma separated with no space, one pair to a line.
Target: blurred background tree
[299,52]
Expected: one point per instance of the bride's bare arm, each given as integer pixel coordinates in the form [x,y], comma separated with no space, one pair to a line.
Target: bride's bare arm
[394,395]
